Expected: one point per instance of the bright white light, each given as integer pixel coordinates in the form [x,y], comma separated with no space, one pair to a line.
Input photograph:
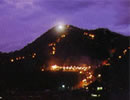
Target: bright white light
[60,28]
[54,67]
[63,86]
[94,95]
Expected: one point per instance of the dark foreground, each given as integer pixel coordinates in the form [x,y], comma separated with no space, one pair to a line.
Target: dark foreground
[47,94]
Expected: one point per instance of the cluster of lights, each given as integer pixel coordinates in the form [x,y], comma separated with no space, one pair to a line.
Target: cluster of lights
[88,80]
[79,69]
[95,95]
[99,75]
[17,58]
[60,28]
[106,63]
[124,53]
[53,48]
[86,70]
[21,58]
[92,36]
[99,88]
[60,38]
[34,55]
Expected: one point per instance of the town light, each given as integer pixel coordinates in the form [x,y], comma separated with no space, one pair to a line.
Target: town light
[63,86]
[99,75]
[99,88]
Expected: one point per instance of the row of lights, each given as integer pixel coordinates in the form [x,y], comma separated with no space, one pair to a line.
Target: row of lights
[70,68]
[92,36]
[124,52]
[17,58]
[53,47]
[34,55]
[81,69]
[21,58]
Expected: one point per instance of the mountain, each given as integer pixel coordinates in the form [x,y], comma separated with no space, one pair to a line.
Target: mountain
[70,45]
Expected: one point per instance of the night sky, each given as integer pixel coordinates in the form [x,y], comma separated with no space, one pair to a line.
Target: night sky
[22,21]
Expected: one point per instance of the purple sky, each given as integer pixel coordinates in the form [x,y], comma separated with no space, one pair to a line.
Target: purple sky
[22,21]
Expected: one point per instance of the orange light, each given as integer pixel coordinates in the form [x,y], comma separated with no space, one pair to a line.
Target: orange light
[53,52]
[92,36]
[113,51]
[42,70]
[54,67]
[53,48]
[128,47]
[63,36]
[99,75]
[51,44]
[107,64]
[85,33]
[89,67]
[23,57]
[12,60]
[119,57]
[84,80]
[80,72]
[17,58]
[58,40]
[34,54]
[104,62]
[125,51]
[67,26]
